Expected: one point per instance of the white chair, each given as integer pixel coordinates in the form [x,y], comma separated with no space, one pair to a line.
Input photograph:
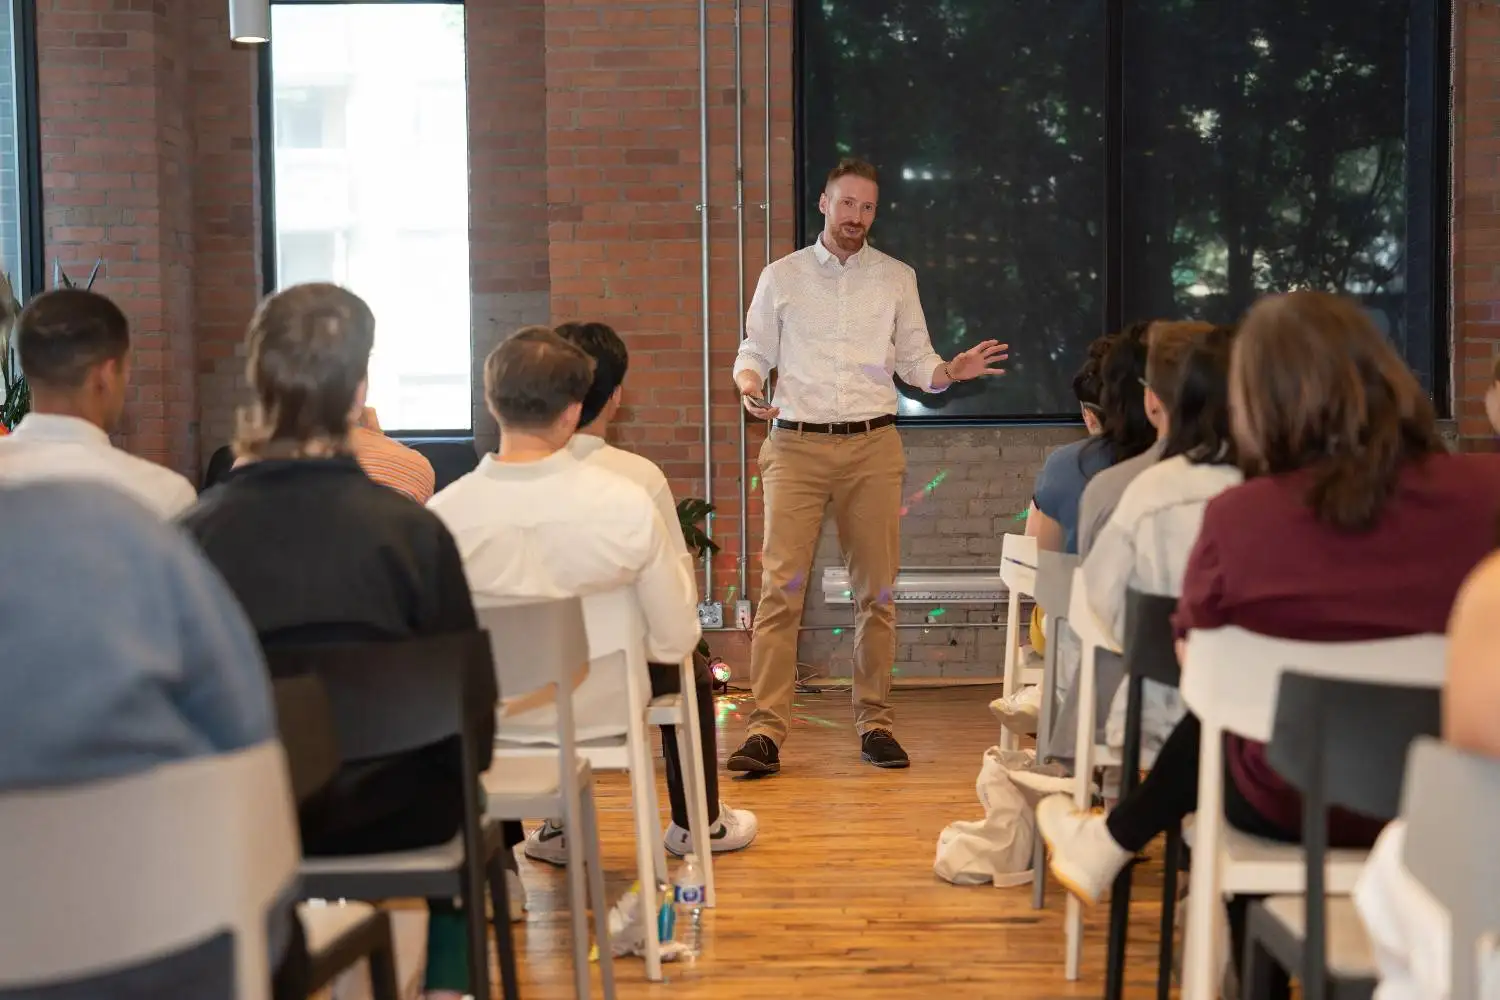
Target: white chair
[1230,680]
[1092,637]
[1054,587]
[1018,573]
[617,649]
[107,875]
[541,656]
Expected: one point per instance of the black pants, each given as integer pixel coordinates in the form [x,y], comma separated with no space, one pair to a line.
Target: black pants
[1169,794]
[667,679]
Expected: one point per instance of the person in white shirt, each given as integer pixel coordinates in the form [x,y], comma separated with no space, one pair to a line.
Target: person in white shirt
[837,321]
[1146,542]
[533,521]
[74,346]
[731,829]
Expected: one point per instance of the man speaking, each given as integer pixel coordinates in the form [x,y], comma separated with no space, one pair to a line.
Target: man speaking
[836,320]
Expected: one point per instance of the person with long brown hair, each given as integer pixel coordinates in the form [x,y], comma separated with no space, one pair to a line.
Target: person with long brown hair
[1353,524]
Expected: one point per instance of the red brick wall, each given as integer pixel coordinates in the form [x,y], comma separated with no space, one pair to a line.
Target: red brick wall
[133,101]
[1476,222]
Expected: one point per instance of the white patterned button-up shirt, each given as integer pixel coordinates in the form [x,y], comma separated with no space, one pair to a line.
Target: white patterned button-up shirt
[836,333]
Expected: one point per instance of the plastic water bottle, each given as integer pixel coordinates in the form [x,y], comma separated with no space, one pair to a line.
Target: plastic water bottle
[689,894]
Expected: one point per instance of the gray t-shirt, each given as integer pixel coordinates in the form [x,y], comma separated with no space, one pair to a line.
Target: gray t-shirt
[1102,494]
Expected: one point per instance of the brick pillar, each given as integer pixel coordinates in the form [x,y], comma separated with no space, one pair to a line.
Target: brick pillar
[1476,215]
[507,179]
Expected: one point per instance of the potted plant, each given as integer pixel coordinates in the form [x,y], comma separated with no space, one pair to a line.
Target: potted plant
[691,513]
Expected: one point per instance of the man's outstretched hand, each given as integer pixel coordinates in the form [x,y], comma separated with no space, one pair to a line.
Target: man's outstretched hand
[979,361]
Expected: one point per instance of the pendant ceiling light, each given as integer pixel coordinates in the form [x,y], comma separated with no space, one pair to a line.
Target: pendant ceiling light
[250,21]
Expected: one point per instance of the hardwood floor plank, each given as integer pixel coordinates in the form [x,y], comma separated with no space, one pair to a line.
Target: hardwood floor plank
[837,897]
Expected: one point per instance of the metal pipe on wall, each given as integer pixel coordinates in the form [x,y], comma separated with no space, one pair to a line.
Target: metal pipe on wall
[739,278]
[766,99]
[708,464]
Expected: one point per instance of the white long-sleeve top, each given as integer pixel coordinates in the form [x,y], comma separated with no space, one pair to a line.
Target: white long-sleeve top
[837,333]
[559,528]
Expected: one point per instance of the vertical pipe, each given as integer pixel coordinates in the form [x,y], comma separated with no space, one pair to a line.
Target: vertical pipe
[708,464]
[766,98]
[739,266]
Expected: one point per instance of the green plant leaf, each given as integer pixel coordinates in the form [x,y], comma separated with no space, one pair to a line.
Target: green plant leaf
[691,512]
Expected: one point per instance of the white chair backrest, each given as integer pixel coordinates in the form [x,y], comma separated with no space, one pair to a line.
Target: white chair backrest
[1230,677]
[1083,621]
[106,875]
[1018,562]
[617,646]
[1451,805]
[538,648]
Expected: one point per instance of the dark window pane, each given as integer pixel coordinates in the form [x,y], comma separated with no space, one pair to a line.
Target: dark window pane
[984,117]
[1265,150]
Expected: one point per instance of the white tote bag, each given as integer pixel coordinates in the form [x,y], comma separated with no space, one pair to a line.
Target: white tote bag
[995,850]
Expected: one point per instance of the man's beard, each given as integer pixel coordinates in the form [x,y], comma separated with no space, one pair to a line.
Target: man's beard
[846,241]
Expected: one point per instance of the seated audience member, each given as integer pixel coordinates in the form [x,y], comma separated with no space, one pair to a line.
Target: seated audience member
[589,446]
[1492,399]
[1354,524]
[535,522]
[74,347]
[1124,434]
[317,552]
[123,651]
[388,461]
[1409,931]
[1104,491]
[1147,540]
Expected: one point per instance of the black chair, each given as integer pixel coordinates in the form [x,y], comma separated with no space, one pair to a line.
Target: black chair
[1340,743]
[450,458]
[337,937]
[1150,654]
[388,698]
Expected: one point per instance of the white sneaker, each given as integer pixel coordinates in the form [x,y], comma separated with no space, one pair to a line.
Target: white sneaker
[548,843]
[734,831]
[1020,711]
[1083,856]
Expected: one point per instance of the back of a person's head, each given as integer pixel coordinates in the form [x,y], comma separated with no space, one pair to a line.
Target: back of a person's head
[1086,380]
[1315,386]
[1122,397]
[611,360]
[1199,411]
[534,378]
[309,356]
[1167,346]
[64,334]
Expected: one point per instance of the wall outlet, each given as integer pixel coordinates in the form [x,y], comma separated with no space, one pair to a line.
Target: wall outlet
[711,614]
[742,615]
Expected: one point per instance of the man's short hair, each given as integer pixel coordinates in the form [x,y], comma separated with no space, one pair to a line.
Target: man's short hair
[611,360]
[309,349]
[63,334]
[1168,345]
[852,166]
[533,376]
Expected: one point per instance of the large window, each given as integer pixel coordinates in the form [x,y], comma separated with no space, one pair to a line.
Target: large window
[1055,171]
[20,157]
[368,124]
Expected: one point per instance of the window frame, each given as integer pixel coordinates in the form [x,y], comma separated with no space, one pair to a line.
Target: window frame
[265,97]
[31,277]
[1429,82]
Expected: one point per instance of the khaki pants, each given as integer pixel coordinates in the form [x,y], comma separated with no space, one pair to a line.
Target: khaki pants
[860,475]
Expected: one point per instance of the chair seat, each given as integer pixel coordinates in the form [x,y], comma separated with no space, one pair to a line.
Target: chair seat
[665,710]
[530,776]
[1349,954]
[1265,867]
[444,857]
[323,924]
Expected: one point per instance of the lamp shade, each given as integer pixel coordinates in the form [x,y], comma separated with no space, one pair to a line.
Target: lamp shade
[250,21]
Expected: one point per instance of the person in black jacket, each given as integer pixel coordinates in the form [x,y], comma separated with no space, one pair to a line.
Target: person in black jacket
[317,552]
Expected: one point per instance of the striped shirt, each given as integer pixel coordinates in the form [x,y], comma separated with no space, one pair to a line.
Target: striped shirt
[391,463]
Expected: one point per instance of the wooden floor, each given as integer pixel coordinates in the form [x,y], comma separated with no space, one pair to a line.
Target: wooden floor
[837,897]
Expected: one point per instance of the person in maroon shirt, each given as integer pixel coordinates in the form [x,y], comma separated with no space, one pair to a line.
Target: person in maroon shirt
[1354,523]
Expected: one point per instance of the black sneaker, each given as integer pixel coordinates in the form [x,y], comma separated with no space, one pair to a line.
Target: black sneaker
[880,748]
[758,755]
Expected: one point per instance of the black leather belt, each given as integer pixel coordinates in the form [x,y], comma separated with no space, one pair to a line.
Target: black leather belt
[857,427]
